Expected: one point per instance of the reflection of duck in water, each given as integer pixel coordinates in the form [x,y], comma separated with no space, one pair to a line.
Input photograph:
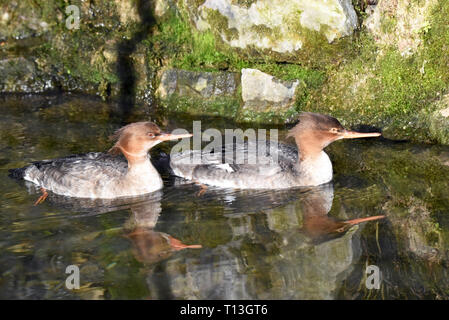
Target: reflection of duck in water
[317,224]
[282,167]
[312,263]
[151,246]
[99,175]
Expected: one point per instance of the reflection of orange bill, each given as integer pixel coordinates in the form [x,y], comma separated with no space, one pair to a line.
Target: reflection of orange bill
[178,245]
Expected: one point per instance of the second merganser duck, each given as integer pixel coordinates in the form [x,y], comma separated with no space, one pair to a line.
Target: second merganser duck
[101,175]
[310,166]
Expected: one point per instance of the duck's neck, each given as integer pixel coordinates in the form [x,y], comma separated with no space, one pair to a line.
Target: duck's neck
[308,148]
[141,166]
[141,173]
[314,165]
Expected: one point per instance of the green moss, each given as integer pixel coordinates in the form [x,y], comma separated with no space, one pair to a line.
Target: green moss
[204,54]
[389,90]
[243,3]
[222,106]
[312,77]
[263,30]
[388,24]
[268,117]
[360,7]
[173,37]
[220,24]
[187,48]
[86,70]
[433,237]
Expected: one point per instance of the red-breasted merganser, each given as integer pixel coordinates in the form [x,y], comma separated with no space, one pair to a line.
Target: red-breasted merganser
[101,175]
[310,166]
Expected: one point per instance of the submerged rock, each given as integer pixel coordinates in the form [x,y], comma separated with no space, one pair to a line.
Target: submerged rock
[421,233]
[263,92]
[281,27]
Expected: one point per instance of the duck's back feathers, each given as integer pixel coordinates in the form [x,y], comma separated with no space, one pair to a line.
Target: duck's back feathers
[273,168]
[75,175]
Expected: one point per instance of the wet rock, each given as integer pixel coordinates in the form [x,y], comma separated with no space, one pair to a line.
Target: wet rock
[110,51]
[161,7]
[421,233]
[437,120]
[444,113]
[144,74]
[21,19]
[399,23]
[197,84]
[21,75]
[277,26]
[127,11]
[212,274]
[222,93]
[42,53]
[263,92]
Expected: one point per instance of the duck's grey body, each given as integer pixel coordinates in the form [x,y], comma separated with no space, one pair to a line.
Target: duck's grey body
[278,168]
[281,167]
[94,175]
[99,175]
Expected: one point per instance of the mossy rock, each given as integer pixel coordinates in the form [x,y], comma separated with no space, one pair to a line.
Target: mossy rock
[83,59]
[276,29]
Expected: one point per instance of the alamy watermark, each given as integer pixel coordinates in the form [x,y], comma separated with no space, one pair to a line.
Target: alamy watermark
[73,20]
[372,277]
[73,280]
[238,147]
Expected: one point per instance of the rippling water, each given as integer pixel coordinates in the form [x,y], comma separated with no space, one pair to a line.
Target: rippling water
[288,244]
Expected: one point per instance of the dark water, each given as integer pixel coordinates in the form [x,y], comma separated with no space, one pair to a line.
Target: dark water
[255,244]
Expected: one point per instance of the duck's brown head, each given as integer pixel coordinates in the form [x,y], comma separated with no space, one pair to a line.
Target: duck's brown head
[136,139]
[316,131]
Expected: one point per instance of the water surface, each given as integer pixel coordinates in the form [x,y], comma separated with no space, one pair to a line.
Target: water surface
[276,244]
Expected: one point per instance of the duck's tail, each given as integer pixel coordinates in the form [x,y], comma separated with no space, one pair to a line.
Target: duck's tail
[17,173]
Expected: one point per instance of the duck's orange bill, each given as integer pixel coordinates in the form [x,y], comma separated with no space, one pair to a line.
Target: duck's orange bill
[354,134]
[170,136]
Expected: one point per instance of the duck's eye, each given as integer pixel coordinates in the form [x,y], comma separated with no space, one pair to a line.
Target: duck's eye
[334,130]
[151,134]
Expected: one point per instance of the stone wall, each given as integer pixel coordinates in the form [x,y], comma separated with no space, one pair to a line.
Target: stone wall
[381,63]
[39,52]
